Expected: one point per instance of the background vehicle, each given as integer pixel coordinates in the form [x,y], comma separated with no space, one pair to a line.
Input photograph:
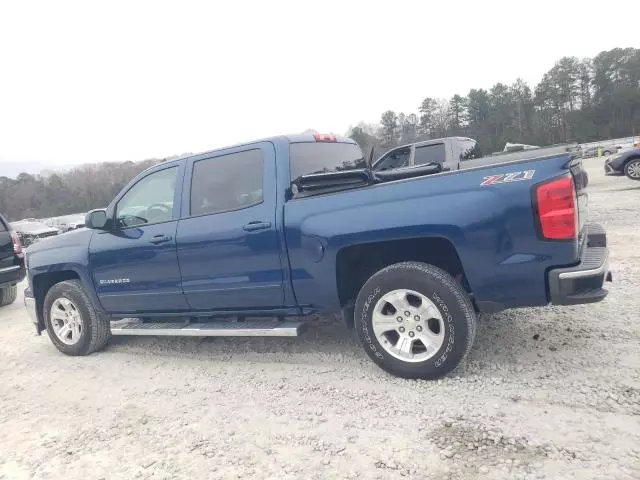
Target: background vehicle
[290,226]
[460,153]
[609,147]
[66,222]
[625,163]
[30,231]
[593,151]
[454,153]
[12,268]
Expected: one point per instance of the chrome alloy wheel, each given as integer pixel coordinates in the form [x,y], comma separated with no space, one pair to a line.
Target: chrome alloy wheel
[66,321]
[633,170]
[408,325]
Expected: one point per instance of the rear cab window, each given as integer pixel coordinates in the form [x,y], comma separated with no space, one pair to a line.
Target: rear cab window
[323,157]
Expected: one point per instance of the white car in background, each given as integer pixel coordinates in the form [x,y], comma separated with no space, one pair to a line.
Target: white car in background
[30,231]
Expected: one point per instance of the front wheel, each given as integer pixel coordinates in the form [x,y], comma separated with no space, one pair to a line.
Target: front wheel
[632,169]
[415,320]
[73,324]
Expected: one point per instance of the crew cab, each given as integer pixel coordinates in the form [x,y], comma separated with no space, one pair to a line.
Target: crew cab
[250,239]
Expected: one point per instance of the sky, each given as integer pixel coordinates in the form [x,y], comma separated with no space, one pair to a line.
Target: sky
[129,80]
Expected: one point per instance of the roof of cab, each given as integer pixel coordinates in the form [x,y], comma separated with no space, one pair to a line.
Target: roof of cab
[294,138]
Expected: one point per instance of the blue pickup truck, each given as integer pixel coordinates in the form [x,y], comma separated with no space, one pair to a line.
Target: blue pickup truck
[248,240]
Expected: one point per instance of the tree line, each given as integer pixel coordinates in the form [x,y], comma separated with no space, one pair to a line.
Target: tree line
[577,100]
[75,191]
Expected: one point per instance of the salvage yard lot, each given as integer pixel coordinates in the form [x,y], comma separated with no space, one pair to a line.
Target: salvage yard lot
[545,393]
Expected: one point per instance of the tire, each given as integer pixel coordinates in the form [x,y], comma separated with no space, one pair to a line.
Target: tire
[8,295]
[440,296]
[606,153]
[94,331]
[632,169]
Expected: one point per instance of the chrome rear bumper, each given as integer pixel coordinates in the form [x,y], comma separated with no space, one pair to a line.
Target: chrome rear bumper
[583,283]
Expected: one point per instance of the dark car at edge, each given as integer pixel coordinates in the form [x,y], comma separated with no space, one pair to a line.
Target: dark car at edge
[626,163]
[12,269]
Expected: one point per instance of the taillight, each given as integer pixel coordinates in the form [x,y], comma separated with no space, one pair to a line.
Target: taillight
[17,247]
[319,137]
[557,211]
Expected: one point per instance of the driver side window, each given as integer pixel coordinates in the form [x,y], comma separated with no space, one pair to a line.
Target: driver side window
[148,201]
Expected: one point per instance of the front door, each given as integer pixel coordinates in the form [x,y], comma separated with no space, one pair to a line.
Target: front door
[228,245]
[134,264]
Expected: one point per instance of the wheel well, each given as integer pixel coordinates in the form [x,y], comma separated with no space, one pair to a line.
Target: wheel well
[634,157]
[355,264]
[41,285]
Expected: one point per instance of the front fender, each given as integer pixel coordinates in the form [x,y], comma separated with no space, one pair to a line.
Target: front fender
[50,262]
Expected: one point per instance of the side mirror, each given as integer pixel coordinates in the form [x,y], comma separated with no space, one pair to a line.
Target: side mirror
[96,219]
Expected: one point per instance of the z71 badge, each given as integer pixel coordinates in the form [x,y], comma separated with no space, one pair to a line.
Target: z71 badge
[508,177]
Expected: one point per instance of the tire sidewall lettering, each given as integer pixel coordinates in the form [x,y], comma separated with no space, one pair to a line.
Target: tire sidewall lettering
[364,320]
[457,318]
[442,306]
[448,318]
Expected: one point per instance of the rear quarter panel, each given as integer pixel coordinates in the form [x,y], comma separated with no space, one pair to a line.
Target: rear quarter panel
[492,227]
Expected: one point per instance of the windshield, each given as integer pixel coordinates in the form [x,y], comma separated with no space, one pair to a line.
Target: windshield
[324,157]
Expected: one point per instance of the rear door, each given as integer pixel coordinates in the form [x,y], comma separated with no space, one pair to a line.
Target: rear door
[228,245]
[6,245]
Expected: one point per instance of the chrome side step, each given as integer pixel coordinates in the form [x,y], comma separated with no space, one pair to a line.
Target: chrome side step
[249,328]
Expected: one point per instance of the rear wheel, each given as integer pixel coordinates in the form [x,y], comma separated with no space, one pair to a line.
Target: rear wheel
[632,169]
[415,320]
[607,153]
[73,324]
[8,295]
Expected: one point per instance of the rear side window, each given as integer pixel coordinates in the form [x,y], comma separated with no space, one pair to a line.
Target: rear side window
[324,157]
[430,154]
[228,182]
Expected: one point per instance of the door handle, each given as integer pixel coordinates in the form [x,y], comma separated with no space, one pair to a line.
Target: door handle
[253,226]
[160,239]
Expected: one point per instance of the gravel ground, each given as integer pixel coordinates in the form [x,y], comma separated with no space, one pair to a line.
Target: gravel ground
[545,393]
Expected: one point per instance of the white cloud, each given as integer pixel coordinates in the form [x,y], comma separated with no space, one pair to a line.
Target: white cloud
[127,80]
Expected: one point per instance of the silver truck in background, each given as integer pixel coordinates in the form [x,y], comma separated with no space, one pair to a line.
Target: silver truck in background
[459,153]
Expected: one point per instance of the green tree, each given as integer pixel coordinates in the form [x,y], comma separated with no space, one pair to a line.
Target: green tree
[427,109]
[458,114]
[389,122]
